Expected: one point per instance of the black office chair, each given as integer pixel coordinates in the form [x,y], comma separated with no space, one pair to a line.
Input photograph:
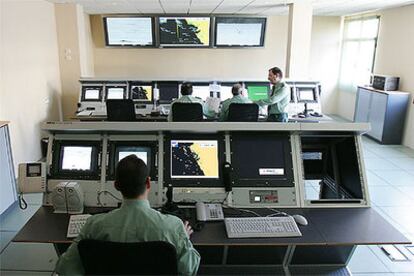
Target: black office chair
[120,110]
[187,112]
[243,112]
[117,258]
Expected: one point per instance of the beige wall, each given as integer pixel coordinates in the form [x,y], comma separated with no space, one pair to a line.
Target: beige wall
[30,78]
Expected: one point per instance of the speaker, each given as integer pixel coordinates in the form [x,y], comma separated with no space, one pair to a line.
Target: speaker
[59,198]
[74,198]
[228,176]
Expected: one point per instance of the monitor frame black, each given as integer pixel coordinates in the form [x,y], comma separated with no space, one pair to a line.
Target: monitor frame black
[56,171]
[314,92]
[153,45]
[167,82]
[87,87]
[141,83]
[194,182]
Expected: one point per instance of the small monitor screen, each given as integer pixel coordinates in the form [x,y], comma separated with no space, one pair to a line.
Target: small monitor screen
[129,31]
[184,31]
[237,31]
[34,169]
[77,158]
[142,153]
[194,159]
[201,91]
[92,93]
[141,93]
[257,92]
[114,93]
[306,95]
[225,92]
[168,91]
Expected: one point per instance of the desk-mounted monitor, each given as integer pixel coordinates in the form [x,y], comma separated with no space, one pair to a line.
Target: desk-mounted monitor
[115,92]
[184,31]
[239,32]
[76,160]
[201,90]
[129,31]
[168,91]
[225,91]
[141,92]
[263,160]
[257,90]
[194,160]
[145,150]
[91,93]
[307,94]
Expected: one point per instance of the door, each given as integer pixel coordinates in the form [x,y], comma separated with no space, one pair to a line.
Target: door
[362,105]
[377,115]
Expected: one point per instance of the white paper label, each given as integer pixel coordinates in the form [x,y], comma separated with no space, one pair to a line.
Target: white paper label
[271,171]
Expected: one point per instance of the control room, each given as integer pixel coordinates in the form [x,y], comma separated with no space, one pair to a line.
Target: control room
[206,137]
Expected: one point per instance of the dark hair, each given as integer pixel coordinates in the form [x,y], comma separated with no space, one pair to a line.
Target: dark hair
[131,175]
[186,89]
[236,89]
[277,71]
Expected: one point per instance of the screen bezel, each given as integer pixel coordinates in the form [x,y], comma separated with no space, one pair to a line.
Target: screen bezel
[87,87]
[107,87]
[314,91]
[152,162]
[168,82]
[137,83]
[129,45]
[193,182]
[57,158]
[161,45]
[286,180]
[262,34]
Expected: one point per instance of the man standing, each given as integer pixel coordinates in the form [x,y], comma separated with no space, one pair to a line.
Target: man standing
[278,99]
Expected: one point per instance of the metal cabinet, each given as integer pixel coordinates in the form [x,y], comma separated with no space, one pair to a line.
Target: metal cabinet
[385,110]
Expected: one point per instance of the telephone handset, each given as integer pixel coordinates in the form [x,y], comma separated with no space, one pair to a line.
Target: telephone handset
[209,211]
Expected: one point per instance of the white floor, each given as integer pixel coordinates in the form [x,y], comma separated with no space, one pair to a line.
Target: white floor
[390,171]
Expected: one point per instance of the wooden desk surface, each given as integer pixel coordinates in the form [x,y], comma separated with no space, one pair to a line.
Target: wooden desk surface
[335,226]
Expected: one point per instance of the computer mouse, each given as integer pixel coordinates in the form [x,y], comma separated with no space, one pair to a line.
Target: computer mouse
[300,220]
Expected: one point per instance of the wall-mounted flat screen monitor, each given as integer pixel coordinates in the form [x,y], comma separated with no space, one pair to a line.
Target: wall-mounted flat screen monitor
[240,32]
[307,94]
[75,159]
[141,92]
[168,92]
[129,31]
[184,31]
[257,91]
[91,93]
[115,92]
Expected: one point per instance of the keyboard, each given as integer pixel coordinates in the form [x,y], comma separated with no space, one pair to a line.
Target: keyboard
[76,222]
[260,227]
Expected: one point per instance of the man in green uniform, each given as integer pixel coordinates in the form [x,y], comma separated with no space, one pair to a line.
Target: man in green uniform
[238,97]
[135,221]
[278,99]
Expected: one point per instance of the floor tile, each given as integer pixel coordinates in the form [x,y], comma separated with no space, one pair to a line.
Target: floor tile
[403,163]
[388,152]
[407,151]
[364,260]
[395,267]
[369,153]
[374,180]
[34,199]
[395,178]
[379,164]
[389,196]
[401,215]
[408,190]
[17,218]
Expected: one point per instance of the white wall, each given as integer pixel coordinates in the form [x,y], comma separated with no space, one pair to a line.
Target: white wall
[30,77]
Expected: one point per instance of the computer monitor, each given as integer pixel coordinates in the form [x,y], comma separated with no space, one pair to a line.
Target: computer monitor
[129,31]
[239,31]
[145,150]
[307,94]
[91,93]
[75,159]
[115,92]
[194,161]
[168,91]
[263,160]
[184,31]
[141,92]
[257,91]
[201,90]
[225,92]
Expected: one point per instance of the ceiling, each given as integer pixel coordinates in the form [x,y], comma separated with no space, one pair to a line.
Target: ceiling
[254,7]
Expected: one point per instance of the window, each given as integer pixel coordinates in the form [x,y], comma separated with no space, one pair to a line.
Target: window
[358,51]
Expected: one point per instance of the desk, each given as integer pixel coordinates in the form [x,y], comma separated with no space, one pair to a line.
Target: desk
[328,239]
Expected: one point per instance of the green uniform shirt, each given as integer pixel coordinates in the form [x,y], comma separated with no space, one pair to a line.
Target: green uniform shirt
[224,113]
[135,221]
[190,99]
[278,100]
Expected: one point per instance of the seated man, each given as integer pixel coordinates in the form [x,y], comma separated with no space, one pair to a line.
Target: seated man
[135,221]
[186,97]
[238,97]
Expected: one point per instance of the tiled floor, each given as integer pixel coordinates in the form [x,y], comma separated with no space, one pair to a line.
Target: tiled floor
[390,172]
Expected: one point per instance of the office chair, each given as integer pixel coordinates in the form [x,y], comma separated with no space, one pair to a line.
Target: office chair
[187,112]
[240,112]
[118,258]
[120,110]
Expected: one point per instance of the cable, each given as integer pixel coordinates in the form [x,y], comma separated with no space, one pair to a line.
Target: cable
[98,198]
[277,212]
[243,210]
[22,202]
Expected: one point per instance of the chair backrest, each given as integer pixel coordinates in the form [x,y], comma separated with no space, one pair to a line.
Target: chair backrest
[117,258]
[243,112]
[120,110]
[187,112]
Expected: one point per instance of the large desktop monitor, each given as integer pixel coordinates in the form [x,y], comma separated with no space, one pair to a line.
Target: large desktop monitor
[202,90]
[116,92]
[184,31]
[129,31]
[225,91]
[257,90]
[239,32]
[75,159]
[145,150]
[168,91]
[91,93]
[263,160]
[307,94]
[194,160]
[141,92]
